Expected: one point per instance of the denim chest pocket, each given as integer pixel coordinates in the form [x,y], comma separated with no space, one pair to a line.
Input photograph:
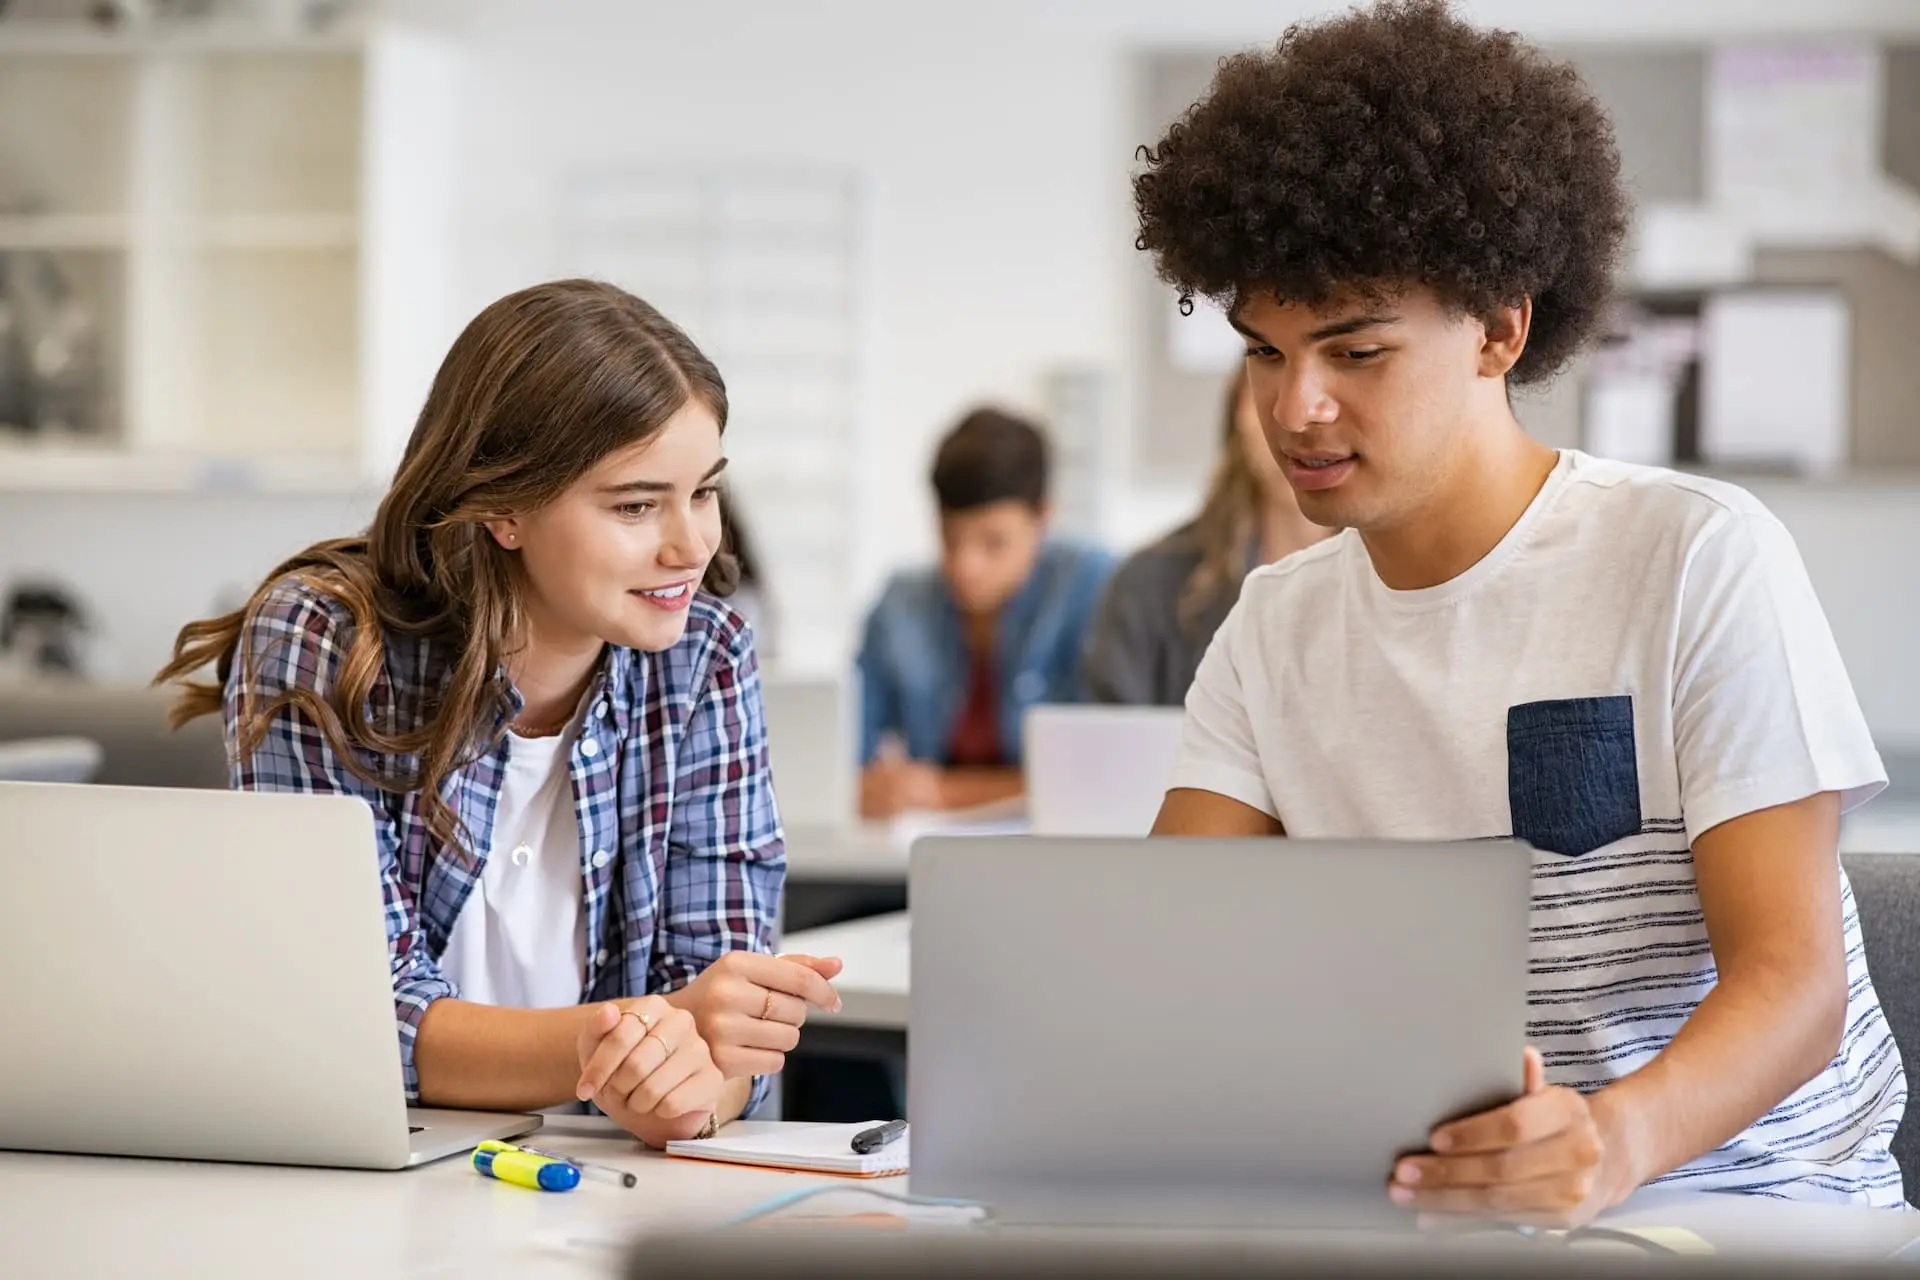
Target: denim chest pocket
[1573,778]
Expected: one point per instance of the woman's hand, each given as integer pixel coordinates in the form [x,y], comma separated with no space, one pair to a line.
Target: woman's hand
[750,1007]
[644,1063]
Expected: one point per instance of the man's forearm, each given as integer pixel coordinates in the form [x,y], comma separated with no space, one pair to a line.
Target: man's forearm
[489,1058]
[1756,1038]
[969,788]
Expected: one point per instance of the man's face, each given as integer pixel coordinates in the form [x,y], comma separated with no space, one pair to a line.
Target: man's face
[1364,403]
[987,553]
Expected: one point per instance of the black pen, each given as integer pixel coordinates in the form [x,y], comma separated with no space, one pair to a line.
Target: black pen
[867,1141]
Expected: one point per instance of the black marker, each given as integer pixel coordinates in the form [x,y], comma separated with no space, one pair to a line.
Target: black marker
[868,1141]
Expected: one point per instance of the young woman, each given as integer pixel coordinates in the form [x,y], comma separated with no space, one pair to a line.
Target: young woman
[523,670]
[1166,600]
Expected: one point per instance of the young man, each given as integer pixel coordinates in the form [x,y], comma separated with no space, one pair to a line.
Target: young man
[1625,667]
[952,659]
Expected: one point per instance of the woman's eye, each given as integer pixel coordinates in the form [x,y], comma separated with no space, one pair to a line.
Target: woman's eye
[705,493]
[1261,353]
[1366,354]
[634,510]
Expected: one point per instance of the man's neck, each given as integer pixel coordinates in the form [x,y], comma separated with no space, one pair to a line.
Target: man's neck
[980,629]
[1481,502]
[1285,530]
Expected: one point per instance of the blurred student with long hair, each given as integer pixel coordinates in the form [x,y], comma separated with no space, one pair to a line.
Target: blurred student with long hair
[1166,600]
[526,671]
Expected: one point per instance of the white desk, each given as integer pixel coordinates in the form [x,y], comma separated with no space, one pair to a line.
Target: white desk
[85,1216]
[858,853]
[876,852]
[873,986]
[93,1217]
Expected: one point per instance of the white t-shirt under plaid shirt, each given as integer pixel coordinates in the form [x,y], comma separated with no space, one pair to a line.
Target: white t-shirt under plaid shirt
[1640,659]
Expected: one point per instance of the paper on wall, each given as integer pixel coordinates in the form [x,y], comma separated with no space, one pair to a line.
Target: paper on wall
[1630,418]
[1686,246]
[1797,120]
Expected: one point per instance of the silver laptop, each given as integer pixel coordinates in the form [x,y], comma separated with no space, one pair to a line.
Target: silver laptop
[1193,1031]
[203,975]
[1098,770]
[811,749]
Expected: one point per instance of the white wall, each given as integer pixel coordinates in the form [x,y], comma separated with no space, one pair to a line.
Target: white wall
[988,135]
[994,137]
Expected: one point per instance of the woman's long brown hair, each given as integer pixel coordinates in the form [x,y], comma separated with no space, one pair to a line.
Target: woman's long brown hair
[537,390]
[1228,519]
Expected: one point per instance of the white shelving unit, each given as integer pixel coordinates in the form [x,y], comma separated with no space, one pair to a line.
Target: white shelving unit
[260,224]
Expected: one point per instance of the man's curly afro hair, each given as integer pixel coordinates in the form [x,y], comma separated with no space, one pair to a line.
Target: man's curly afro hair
[1390,147]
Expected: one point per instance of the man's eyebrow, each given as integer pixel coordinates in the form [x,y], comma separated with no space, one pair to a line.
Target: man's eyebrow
[1338,329]
[1240,326]
[1354,324]
[660,486]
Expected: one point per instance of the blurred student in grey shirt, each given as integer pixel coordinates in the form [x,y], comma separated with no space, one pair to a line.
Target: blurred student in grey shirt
[1164,603]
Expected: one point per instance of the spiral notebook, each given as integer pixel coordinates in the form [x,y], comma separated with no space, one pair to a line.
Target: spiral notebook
[813,1148]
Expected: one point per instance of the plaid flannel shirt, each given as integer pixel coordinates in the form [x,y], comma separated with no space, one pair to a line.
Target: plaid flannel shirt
[682,853]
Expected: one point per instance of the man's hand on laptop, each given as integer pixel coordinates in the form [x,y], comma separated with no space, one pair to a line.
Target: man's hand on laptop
[644,1063]
[750,1007]
[1544,1159]
[893,784]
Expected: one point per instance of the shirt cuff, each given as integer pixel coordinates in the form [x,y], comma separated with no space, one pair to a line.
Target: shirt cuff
[1249,789]
[762,1085]
[1857,781]
[410,1001]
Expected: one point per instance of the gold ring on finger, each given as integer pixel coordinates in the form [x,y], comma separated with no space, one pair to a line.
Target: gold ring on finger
[766,1008]
[666,1049]
[646,1023]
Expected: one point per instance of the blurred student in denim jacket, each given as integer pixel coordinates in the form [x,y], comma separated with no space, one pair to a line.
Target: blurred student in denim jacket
[952,657]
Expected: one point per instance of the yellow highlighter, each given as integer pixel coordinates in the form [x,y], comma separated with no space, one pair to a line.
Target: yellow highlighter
[507,1163]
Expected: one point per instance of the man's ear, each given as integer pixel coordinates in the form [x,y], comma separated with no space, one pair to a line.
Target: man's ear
[1506,338]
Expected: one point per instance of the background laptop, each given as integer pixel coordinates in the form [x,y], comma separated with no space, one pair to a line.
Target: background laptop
[204,975]
[1186,1031]
[1098,770]
[811,748]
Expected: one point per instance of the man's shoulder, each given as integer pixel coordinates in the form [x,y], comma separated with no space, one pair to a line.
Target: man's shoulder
[1072,560]
[1173,555]
[912,591]
[1659,497]
[1306,572]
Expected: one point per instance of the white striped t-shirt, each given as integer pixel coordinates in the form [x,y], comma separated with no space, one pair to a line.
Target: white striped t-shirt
[1640,659]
